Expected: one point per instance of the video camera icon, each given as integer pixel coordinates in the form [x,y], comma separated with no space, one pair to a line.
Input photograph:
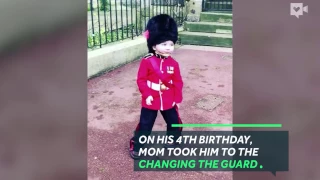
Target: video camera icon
[297,9]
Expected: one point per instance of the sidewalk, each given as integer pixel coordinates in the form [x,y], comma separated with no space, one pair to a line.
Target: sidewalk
[114,107]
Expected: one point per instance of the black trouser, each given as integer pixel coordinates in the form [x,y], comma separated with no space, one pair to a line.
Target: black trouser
[147,119]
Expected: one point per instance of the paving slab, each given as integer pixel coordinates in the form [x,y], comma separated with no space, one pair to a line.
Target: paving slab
[114,107]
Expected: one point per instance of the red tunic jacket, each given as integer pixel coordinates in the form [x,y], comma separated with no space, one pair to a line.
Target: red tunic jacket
[149,82]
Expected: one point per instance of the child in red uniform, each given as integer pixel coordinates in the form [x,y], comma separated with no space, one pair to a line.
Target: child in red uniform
[159,79]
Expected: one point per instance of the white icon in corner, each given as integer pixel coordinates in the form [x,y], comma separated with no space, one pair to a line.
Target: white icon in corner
[297,9]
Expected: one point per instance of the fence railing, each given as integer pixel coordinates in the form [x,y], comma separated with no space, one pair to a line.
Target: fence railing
[115,20]
[216,5]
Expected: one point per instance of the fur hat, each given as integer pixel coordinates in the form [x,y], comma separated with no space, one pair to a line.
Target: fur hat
[159,29]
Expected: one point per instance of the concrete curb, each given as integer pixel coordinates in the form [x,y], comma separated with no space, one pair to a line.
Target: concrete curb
[207,48]
[115,55]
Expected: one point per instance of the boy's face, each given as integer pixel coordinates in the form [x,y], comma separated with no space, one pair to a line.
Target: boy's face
[165,48]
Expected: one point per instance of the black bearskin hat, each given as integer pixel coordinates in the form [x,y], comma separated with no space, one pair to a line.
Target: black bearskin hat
[161,28]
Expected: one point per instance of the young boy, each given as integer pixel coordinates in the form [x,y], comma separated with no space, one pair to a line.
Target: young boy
[159,80]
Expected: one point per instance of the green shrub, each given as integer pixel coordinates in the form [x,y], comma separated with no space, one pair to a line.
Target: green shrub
[104,5]
[107,37]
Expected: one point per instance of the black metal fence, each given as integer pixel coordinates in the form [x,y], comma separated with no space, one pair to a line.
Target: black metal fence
[114,20]
[216,5]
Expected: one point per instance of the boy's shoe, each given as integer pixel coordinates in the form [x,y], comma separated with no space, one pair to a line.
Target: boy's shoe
[134,154]
[171,145]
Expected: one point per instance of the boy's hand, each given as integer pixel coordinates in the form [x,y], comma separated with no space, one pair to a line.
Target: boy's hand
[148,100]
[178,105]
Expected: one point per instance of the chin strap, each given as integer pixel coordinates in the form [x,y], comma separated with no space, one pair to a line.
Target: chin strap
[162,54]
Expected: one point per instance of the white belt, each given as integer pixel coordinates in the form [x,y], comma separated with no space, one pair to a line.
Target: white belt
[155,86]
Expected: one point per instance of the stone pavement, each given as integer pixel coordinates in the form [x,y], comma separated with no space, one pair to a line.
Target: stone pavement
[114,107]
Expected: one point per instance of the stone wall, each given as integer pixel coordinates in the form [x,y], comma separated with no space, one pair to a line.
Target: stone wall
[195,8]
